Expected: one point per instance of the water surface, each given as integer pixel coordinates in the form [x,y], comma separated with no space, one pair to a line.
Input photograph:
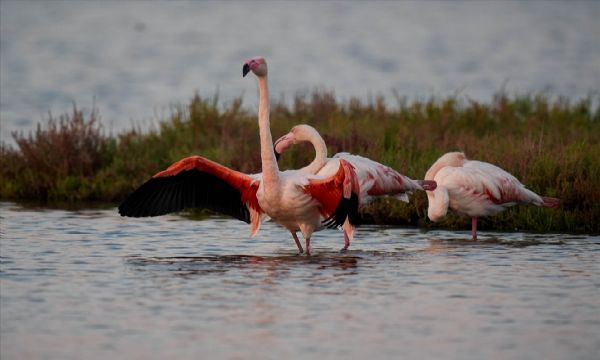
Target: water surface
[90,284]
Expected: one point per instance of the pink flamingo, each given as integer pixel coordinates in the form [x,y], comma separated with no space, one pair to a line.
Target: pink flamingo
[374,179]
[294,199]
[476,188]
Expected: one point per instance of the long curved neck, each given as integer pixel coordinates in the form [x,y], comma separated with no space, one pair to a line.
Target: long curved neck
[267,155]
[454,159]
[320,154]
[433,170]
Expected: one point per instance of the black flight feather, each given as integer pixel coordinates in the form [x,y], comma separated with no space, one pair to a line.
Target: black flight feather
[347,208]
[188,189]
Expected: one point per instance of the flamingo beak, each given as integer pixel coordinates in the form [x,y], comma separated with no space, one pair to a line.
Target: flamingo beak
[277,153]
[283,143]
[245,70]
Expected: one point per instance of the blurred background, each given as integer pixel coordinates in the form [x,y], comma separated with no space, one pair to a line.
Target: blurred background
[134,60]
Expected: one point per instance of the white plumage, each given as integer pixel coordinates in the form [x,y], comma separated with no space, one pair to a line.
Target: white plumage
[374,179]
[476,188]
[295,199]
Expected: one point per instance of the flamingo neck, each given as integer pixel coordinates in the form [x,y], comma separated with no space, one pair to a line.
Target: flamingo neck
[454,159]
[433,170]
[320,154]
[439,200]
[270,169]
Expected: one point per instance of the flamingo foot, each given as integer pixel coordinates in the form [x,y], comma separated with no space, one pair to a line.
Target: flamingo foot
[346,242]
[474,228]
[307,246]
[300,250]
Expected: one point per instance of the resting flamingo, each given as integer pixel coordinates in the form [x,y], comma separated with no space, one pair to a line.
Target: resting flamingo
[476,188]
[374,179]
[294,199]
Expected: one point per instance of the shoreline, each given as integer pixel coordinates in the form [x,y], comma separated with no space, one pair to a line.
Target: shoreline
[551,145]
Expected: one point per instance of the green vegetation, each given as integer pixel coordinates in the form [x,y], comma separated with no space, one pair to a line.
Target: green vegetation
[553,146]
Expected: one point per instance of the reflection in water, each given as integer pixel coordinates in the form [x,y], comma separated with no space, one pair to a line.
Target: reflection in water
[491,242]
[88,283]
[200,265]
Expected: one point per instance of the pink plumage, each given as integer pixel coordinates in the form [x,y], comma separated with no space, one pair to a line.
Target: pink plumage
[373,179]
[296,200]
[476,188]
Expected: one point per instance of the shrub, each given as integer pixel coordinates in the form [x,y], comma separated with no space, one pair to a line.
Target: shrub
[553,146]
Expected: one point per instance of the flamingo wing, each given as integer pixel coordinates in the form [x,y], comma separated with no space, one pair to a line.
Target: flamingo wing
[196,182]
[478,179]
[500,186]
[377,179]
[338,195]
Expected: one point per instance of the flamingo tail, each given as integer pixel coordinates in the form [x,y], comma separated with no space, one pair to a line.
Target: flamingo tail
[428,184]
[550,202]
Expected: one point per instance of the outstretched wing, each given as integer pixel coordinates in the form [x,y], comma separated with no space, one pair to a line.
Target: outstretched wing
[338,194]
[196,182]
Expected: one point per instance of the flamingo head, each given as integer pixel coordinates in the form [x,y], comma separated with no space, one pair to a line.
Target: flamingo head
[257,65]
[299,133]
[439,201]
[282,144]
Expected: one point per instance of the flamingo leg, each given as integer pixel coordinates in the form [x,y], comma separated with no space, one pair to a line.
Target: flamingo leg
[474,228]
[300,250]
[346,241]
[307,246]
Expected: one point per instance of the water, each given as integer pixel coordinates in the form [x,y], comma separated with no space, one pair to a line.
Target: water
[134,59]
[90,284]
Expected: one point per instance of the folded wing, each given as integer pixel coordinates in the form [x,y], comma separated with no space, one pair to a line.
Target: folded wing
[338,194]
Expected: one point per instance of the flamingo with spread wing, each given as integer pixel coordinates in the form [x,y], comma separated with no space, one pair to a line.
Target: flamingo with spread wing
[476,188]
[295,199]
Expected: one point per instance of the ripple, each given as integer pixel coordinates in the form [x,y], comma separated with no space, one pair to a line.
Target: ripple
[222,262]
[179,284]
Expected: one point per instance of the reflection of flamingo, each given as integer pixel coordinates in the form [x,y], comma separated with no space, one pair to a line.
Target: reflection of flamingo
[374,179]
[294,199]
[476,188]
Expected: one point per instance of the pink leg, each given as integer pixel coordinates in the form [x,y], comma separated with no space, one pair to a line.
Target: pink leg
[346,241]
[307,246]
[300,250]
[474,228]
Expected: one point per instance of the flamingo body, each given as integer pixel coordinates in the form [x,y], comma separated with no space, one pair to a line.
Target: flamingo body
[476,188]
[376,179]
[295,199]
[372,178]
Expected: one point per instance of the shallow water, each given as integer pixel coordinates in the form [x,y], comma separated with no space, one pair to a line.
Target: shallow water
[90,284]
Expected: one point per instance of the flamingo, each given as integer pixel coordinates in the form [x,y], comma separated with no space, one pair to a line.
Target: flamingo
[296,200]
[476,188]
[374,179]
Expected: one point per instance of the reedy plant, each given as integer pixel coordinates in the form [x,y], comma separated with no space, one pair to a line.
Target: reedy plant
[553,146]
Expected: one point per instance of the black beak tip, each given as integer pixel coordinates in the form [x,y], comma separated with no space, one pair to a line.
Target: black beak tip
[277,156]
[245,70]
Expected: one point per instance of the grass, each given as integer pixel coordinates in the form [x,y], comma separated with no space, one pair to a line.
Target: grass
[552,145]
